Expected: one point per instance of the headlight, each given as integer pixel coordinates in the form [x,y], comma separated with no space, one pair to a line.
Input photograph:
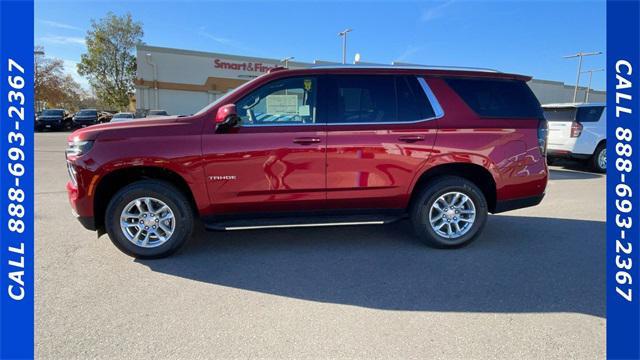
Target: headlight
[77,147]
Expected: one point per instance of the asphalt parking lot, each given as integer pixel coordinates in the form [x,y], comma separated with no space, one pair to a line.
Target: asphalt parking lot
[532,286]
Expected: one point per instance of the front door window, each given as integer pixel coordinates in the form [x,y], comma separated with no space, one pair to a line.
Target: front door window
[290,101]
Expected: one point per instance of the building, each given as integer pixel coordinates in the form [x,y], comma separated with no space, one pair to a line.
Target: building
[184,81]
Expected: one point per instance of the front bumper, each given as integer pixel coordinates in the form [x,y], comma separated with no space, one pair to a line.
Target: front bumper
[84,122]
[81,206]
[44,124]
[88,222]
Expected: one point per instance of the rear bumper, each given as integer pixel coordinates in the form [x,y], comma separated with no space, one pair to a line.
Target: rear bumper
[513,204]
[566,154]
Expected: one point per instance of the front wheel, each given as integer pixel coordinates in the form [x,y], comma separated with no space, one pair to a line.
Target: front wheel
[599,159]
[149,219]
[450,212]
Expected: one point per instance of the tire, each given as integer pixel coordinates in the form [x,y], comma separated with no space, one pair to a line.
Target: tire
[447,186]
[596,162]
[161,193]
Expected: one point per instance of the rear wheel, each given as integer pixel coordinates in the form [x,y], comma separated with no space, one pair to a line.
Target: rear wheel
[598,161]
[149,219]
[450,212]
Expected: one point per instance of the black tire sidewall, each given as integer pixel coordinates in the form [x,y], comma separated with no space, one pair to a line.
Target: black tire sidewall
[433,190]
[163,191]
[594,159]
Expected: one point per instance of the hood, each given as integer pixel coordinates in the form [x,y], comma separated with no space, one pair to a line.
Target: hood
[120,129]
[50,117]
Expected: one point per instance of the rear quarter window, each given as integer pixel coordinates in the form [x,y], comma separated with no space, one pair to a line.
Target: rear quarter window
[589,113]
[497,98]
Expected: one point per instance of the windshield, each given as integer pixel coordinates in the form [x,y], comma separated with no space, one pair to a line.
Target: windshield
[123,116]
[52,112]
[225,97]
[87,113]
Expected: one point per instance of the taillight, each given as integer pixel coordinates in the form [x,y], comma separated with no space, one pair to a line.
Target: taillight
[543,131]
[576,129]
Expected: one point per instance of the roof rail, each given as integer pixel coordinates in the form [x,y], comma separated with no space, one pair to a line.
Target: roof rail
[403,66]
[277,68]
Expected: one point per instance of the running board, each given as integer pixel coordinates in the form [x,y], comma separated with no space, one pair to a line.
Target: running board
[300,222]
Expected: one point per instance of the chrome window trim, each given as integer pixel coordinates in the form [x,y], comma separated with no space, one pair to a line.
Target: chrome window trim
[435,104]
[433,100]
[278,125]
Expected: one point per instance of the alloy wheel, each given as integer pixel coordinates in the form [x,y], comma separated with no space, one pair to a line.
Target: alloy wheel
[147,222]
[452,215]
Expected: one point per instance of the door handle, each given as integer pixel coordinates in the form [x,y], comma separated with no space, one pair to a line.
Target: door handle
[306,140]
[411,138]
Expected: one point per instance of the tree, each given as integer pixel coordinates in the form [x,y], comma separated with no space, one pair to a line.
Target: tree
[109,62]
[52,85]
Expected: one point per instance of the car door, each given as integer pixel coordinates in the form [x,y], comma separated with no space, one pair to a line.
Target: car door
[275,159]
[380,131]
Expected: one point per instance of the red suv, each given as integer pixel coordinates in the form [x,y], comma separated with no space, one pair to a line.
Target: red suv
[324,146]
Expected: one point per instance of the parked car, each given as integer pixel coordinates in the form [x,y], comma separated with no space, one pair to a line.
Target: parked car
[85,117]
[53,119]
[578,131]
[123,116]
[105,116]
[154,113]
[325,146]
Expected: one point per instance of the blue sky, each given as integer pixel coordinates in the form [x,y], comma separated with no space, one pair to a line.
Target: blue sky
[528,37]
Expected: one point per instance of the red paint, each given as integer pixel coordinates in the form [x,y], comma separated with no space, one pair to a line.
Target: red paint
[314,167]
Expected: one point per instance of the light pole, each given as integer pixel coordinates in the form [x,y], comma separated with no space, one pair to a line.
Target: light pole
[343,34]
[35,78]
[586,95]
[580,55]
[286,61]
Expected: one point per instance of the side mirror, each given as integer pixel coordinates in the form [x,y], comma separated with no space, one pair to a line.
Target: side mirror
[226,117]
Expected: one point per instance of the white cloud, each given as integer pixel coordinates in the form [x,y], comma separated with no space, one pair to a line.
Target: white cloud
[70,67]
[436,11]
[215,38]
[62,40]
[60,25]
[407,53]
[202,31]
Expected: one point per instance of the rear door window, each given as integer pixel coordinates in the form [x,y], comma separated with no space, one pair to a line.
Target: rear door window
[413,104]
[498,98]
[361,99]
[371,99]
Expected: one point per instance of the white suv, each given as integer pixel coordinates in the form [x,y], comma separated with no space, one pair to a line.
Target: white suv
[578,131]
